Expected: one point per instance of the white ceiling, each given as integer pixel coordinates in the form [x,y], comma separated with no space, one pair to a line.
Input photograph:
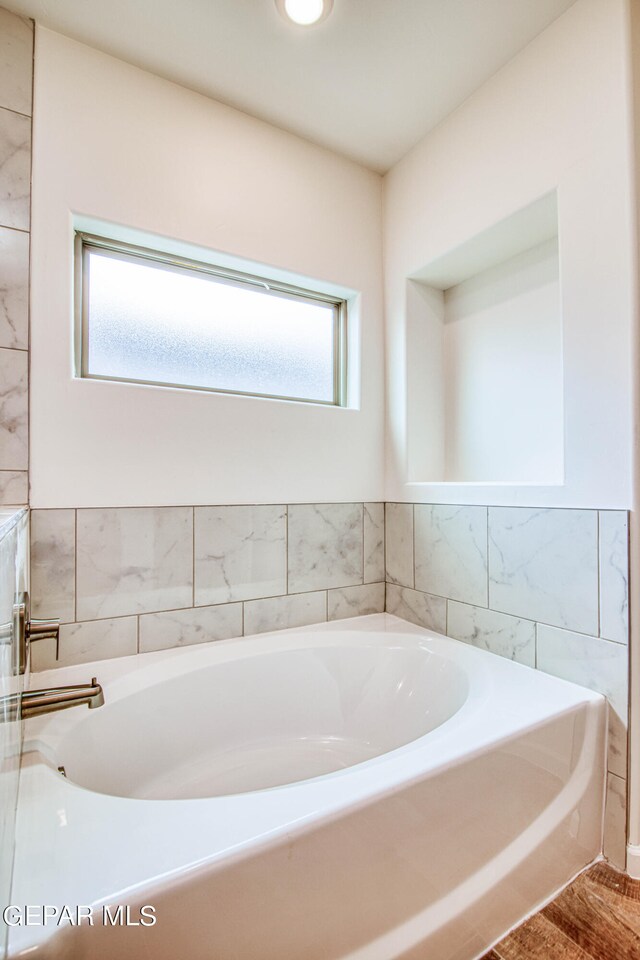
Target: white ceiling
[369,82]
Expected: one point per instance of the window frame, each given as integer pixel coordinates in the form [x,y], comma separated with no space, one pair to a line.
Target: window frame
[85,243]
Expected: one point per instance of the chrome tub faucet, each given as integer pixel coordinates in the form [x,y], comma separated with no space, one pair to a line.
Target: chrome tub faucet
[32,703]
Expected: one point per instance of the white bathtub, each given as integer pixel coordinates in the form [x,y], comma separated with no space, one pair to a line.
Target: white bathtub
[361,790]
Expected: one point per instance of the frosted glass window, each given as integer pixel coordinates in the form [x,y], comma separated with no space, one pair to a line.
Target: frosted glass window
[159,321]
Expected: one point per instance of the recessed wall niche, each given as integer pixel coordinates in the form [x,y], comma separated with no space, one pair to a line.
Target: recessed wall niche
[484,357]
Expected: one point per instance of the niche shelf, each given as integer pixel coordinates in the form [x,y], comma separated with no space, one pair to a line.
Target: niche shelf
[484,357]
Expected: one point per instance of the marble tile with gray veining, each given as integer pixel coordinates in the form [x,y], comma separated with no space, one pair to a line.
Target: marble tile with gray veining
[16,61]
[398,544]
[133,560]
[451,552]
[373,542]
[14,405]
[53,564]
[617,748]
[615,821]
[8,552]
[22,552]
[279,613]
[14,487]
[614,575]
[496,632]
[240,553]
[325,546]
[14,288]
[600,665]
[592,662]
[417,607]
[543,565]
[356,601]
[15,169]
[97,640]
[177,628]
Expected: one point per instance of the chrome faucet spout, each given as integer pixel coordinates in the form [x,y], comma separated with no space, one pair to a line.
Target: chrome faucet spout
[33,703]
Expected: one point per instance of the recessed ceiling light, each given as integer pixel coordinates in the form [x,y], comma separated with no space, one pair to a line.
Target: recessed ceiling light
[305,12]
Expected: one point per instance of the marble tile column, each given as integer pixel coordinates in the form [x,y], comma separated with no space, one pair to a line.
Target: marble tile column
[16,69]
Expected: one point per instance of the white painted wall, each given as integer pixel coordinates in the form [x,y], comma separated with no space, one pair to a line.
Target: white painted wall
[117,145]
[503,372]
[555,118]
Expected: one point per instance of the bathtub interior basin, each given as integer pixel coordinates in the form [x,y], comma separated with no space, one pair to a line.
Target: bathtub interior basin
[259,722]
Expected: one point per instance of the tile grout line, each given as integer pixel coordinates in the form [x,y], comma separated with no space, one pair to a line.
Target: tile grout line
[210,606]
[384,548]
[286,549]
[599,576]
[488,601]
[325,503]
[363,543]
[384,552]
[75,566]
[193,556]
[6,226]
[413,535]
[27,116]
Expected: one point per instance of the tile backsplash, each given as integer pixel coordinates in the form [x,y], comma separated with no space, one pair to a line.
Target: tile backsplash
[545,587]
[543,565]
[240,553]
[131,579]
[132,561]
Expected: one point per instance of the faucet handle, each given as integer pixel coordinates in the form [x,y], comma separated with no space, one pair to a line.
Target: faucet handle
[25,629]
[42,629]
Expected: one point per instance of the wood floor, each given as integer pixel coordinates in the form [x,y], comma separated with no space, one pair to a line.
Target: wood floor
[596,918]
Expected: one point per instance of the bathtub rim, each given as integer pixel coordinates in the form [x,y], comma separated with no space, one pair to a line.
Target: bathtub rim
[315,800]
[122,677]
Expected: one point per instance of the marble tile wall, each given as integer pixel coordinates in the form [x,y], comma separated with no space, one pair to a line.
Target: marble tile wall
[16,68]
[136,579]
[547,588]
